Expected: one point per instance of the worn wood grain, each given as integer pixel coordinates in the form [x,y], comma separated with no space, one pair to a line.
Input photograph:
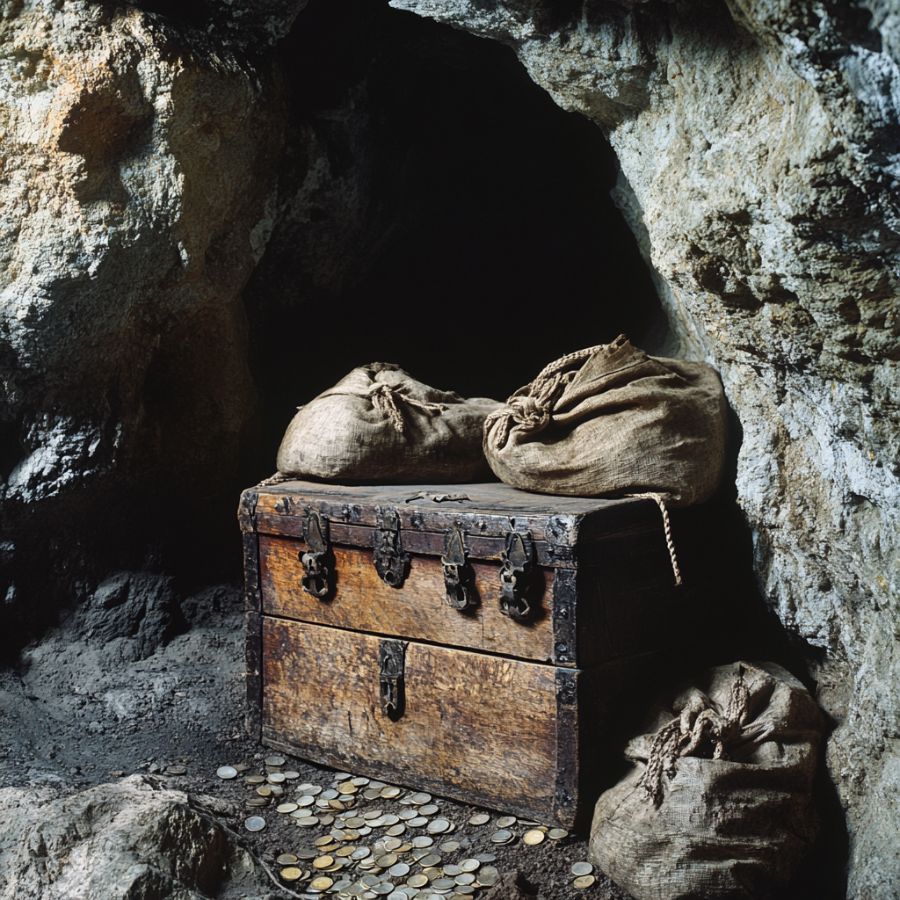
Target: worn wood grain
[363,602]
[478,727]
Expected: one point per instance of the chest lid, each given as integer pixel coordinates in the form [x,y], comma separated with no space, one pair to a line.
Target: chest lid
[426,519]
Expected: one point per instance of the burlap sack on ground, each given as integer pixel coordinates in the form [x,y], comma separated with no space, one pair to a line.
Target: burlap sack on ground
[612,420]
[719,802]
[378,424]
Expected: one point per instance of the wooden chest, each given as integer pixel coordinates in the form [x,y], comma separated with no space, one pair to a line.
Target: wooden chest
[462,639]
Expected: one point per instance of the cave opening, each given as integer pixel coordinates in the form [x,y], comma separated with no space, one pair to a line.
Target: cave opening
[439,211]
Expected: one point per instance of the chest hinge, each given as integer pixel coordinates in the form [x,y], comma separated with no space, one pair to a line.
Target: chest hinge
[391,563]
[317,557]
[459,578]
[516,575]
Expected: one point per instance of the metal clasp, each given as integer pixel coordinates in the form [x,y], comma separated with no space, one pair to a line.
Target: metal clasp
[459,579]
[391,664]
[515,576]
[316,559]
[391,563]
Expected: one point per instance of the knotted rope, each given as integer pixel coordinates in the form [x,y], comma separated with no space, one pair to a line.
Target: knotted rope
[530,407]
[385,399]
[698,728]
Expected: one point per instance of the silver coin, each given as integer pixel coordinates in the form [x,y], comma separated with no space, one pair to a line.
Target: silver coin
[275,761]
[422,840]
[488,876]
[407,814]
[443,884]
[432,859]
[307,821]
[291,775]
[506,821]
[486,857]
[285,808]
[581,868]
[383,889]
[420,798]
[479,819]
[465,878]
[418,822]
[450,846]
[470,865]
[557,834]
[342,776]
[390,819]
[501,837]
[452,871]
[429,809]
[395,830]
[226,773]
[398,870]
[254,823]
[438,826]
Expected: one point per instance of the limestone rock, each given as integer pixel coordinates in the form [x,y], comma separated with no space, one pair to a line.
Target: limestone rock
[121,841]
[136,170]
[759,170]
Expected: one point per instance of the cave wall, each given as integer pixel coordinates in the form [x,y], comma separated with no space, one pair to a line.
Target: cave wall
[759,146]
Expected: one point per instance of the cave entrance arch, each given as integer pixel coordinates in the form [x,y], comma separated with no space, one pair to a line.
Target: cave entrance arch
[436,210]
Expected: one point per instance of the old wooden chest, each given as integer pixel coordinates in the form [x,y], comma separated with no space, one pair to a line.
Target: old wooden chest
[460,639]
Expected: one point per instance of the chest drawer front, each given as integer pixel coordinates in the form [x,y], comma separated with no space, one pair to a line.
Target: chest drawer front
[485,729]
[361,601]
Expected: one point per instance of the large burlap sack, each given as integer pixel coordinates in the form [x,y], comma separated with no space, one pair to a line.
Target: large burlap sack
[378,424]
[718,803]
[612,420]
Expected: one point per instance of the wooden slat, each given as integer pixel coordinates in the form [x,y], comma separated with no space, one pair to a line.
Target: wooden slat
[476,727]
[363,602]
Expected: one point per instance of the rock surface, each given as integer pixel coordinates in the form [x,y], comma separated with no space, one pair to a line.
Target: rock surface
[758,145]
[135,174]
[122,841]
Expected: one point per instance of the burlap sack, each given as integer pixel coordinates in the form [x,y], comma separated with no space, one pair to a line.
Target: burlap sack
[378,424]
[612,420]
[719,801]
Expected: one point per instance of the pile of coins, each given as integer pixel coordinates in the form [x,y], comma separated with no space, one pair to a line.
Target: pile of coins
[368,852]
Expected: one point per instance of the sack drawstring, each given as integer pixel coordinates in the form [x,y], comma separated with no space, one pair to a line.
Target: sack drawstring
[699,724]
[384,398]
[660,501]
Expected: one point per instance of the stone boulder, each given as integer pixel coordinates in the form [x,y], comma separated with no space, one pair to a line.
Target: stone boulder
[126,841]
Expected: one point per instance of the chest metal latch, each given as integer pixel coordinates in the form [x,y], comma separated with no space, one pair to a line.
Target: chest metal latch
[317,558]
[515,576]
[392,663]
[391,563]
[459,579]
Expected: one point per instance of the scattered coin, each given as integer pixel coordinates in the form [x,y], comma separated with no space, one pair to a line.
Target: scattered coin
[465,878]
[291,775]
[395,830]
[288,859]
[479,819]
[276,778]
[347,787]
[432,859]
[274,761]
[581,868]
[322,883]
[285,808]
[386,861]
[323,862]
[452,870]
[443,884]
[176,770]
[360,853]
[438,826]
[488,876]
[420,798]
[506,821]
[417,881]
[226,773]
[501,837]
[359,781]
[534,837]
[418,822]
[383,888]
[307,821]
[470,865]
[399,870]
[389,793]
[583,882]
[264,790]
[291,873]
[257,802]
[323,840]
[422,840]
[557,834]
[254,823]
[450,846]
[254,779]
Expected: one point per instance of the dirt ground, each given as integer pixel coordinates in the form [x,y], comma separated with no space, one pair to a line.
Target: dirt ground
[139,682]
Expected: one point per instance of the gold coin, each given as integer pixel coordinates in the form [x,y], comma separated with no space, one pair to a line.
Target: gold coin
[322,883]
[291,873]
[285,808]
[584,881]
[264,791]
[347,787]
[417,881]
[323,862]
[581,868]
[534,837]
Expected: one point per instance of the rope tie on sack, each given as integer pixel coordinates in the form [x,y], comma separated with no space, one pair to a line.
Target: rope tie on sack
[385,399]
[698,728]
[659,500]
[530,407]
